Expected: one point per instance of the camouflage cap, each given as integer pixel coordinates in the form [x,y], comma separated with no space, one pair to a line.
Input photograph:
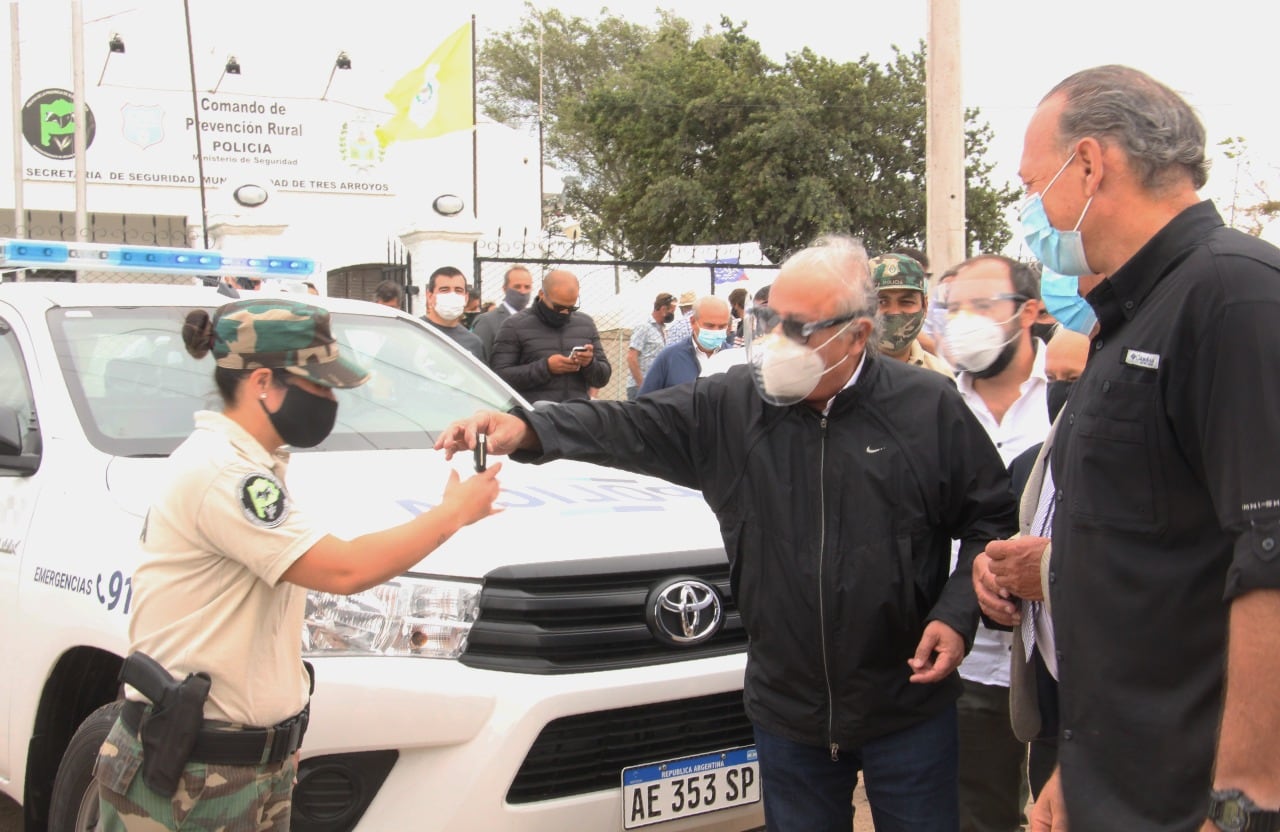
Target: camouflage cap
[282,334]
[896,271]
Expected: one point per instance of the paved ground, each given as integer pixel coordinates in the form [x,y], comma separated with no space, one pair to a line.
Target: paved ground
[11,814]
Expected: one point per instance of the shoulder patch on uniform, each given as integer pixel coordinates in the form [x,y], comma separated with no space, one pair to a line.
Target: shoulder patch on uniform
[263,500]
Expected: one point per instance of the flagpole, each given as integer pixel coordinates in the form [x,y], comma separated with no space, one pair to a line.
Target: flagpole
[475,130]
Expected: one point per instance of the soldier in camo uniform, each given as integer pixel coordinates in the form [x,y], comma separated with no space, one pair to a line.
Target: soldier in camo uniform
[228,558]
[904,302]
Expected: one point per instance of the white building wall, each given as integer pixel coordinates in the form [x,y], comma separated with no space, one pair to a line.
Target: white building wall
[338,196]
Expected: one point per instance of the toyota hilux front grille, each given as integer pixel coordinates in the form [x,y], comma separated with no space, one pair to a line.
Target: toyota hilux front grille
[581,616]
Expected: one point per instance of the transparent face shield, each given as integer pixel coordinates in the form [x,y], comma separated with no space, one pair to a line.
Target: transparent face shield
[975,335]
[785,366]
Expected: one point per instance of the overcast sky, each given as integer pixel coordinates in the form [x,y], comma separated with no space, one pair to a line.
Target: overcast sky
[1221,57]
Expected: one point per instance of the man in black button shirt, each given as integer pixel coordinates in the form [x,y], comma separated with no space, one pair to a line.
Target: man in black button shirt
[1163,574]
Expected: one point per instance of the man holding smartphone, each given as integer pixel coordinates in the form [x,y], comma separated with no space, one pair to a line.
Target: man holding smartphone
[551,351]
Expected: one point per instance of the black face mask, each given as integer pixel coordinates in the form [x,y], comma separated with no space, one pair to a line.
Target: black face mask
[1044,331]
[551,317]
[469,319]
[669,317]
[1056,397]
[304,419]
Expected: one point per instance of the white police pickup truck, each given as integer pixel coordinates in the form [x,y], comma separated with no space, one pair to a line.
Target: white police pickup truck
[553,667]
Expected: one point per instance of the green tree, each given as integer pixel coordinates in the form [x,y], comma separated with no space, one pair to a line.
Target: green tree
[683,138]
[570,51]
[986,227]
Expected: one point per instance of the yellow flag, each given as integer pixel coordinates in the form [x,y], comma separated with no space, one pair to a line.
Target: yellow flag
[434,98]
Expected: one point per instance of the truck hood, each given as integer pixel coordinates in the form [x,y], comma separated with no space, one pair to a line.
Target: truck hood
[559,511]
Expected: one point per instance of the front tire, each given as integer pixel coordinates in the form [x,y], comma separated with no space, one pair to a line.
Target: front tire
[74,807]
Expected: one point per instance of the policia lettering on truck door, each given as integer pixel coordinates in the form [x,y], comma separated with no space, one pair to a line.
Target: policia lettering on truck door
[228,558]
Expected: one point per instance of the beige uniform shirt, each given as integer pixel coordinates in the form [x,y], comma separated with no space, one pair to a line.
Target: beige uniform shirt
[921,357]
[207,595]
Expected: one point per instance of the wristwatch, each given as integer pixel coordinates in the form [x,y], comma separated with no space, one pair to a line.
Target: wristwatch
[1231,810]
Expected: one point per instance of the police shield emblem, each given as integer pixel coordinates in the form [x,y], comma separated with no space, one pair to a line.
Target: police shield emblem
[142,125]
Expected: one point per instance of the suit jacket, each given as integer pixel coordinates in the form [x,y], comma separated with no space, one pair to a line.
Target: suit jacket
[487,326]
[1024,709]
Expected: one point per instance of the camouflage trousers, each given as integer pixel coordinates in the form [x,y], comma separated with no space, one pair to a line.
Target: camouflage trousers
[210,798]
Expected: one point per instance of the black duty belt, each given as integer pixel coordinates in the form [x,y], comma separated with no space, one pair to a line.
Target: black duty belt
[236,747]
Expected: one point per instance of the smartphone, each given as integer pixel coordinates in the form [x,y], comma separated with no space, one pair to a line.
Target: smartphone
[577,350]
[481,452]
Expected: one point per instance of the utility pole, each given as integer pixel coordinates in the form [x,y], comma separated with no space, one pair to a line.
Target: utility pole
[944,138]
[81,136]
[542,188]
[195,114]
[19,206]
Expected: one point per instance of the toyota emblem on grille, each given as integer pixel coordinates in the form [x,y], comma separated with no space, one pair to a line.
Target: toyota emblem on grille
[684,611]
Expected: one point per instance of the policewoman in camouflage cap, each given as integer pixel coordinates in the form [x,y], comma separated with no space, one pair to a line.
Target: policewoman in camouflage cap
[904,300]
[228,558]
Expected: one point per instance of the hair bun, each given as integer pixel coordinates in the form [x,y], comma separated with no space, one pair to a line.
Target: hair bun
[197,333]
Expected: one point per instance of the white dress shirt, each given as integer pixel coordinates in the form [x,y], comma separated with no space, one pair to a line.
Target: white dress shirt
[1025,423]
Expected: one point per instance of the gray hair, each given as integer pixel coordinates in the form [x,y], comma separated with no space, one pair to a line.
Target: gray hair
[1158,131]
[844,258]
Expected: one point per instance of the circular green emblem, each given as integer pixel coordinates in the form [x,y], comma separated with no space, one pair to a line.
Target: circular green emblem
[263,500]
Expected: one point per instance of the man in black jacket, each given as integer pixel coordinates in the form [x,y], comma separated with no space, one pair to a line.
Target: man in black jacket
[551,351]
[839,479]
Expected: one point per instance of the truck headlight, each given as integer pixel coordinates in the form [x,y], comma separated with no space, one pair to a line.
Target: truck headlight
[403,617]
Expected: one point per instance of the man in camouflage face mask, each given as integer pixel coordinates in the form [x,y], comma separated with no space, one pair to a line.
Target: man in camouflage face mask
[900,283]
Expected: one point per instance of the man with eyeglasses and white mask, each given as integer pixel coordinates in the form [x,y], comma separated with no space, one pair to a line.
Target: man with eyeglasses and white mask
[991,306]
[839,478]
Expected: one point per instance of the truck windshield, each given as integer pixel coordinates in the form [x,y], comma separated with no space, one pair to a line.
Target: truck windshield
[136,390]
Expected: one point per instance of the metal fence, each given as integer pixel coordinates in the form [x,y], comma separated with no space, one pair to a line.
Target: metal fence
[618,293]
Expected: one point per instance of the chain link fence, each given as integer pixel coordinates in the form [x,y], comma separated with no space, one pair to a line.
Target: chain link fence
[618,294]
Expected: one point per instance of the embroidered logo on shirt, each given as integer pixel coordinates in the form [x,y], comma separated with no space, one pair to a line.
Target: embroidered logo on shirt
[263,500]
[1145,360]
[872,450]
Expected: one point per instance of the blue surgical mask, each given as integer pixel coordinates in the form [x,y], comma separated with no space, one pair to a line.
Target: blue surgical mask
[1060,251]
[711,339]
[1061,296]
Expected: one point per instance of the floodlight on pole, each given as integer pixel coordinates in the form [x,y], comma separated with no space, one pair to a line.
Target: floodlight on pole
[343,61]
[232,67]
[115,46]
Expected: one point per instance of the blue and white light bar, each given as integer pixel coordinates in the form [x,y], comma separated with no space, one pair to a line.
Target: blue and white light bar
[112,257]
